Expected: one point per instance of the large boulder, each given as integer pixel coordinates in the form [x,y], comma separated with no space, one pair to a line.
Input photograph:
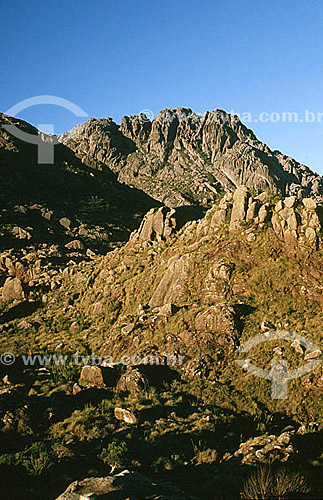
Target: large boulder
[160,223]
[222,210]
[124,485]
[156,224]
[92,376]
[253,209]
[141,377]
[133,381]
[219,217]
[75,245]
[65,223]
[216,284]
[13,289]
[264,214]
[285,222]
[217,326]
[101,376]
[126,416]
[266,447]
[172,287]
[240,206]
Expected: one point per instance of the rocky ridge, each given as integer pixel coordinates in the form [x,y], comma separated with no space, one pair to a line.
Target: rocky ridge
[182,158]
[297,221]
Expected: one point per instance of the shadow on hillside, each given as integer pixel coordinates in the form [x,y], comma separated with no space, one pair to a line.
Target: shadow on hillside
[310,445]
[20,311]
[241,311]
[186,213]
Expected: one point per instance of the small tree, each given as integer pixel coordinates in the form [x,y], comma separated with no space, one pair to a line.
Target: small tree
[114,454]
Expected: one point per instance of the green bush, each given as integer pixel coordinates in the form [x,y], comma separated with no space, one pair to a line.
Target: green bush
[36,459]
[114,454]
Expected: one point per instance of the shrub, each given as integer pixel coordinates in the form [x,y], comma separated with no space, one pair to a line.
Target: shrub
[36,459]
[7,459]
[270,483]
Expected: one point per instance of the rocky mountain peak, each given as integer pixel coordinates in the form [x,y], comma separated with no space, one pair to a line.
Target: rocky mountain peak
[183,158]
[136,128]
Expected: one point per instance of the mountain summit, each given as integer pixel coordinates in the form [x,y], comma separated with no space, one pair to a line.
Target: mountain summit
[183,158]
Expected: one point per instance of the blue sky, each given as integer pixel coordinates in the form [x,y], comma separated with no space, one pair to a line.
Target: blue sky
[117,57]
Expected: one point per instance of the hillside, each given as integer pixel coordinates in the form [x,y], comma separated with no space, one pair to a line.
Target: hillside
[181,158]
[62,202]
[188,295]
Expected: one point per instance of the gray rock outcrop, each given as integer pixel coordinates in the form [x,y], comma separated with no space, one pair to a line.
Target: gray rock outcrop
[126,484]
[263,447]
[172,286]
[296,221]
[160,223]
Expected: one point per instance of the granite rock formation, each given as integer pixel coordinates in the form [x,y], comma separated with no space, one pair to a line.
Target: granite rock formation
[182,158]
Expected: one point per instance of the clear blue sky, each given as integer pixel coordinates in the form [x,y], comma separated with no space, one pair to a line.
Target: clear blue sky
[116,57]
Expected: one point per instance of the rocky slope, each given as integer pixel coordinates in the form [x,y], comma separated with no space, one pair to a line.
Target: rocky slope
[185,296]
[62,202]
[182,158]
[51,214]
[137,347]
